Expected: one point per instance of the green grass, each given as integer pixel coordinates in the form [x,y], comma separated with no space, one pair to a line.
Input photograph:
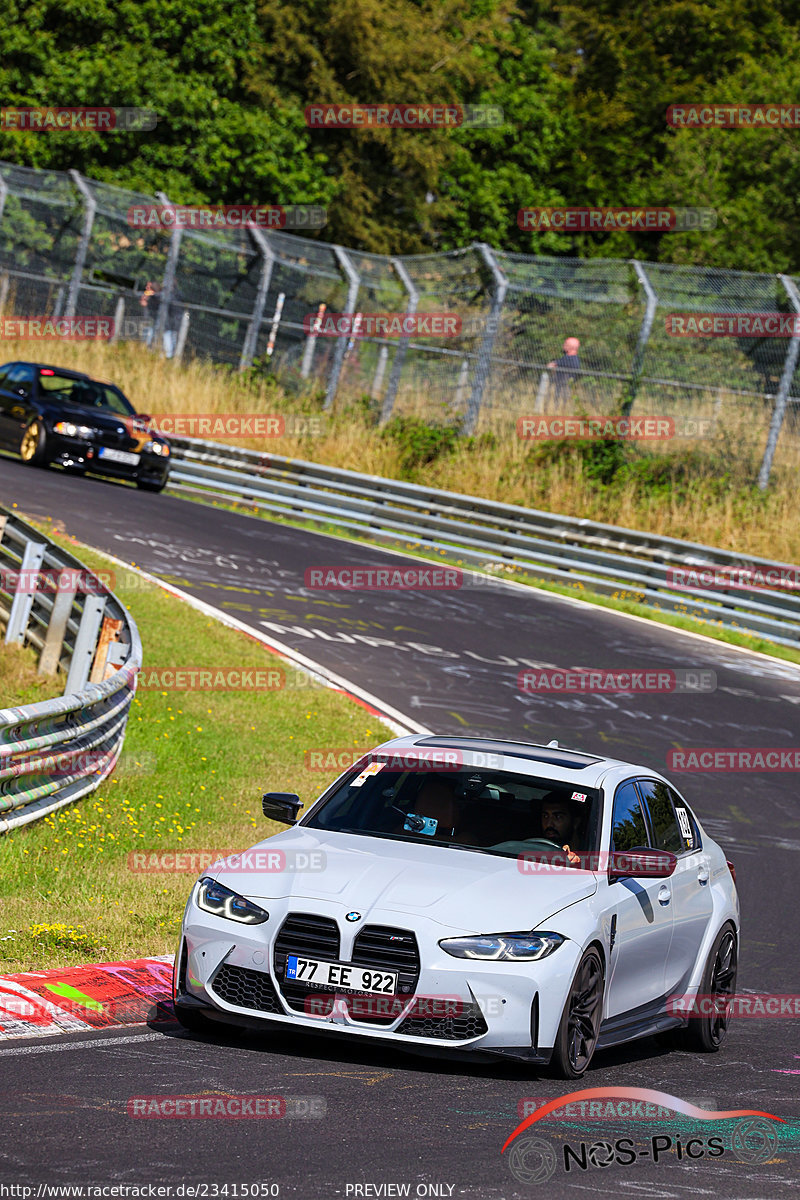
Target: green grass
[191,776]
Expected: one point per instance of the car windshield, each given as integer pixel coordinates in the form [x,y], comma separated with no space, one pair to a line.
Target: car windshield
[87,392]
[497,812]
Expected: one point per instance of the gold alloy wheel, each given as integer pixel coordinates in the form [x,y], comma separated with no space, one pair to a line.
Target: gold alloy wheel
[30,442]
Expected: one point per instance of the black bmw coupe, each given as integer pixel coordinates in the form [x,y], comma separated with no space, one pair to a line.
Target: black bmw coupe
[52,415]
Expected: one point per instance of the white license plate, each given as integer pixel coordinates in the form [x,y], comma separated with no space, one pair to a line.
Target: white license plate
[339,975]
[119,456]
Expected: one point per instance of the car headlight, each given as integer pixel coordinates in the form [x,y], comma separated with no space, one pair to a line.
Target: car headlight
[70,430]
[158,448]
[503,947]
[215,898]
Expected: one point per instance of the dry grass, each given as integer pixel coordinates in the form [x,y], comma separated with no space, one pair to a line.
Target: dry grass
[19,682]
[714,501]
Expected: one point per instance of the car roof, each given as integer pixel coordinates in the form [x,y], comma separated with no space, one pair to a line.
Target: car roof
[525,758]
[39,366]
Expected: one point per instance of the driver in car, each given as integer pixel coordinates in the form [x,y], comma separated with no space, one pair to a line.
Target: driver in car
[560,824]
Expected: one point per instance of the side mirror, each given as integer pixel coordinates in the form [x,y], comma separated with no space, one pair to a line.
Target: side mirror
[281,806]
[640,863]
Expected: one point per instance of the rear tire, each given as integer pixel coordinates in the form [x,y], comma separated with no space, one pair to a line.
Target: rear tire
[706,1033]
[33,445]
[580,1021]
[150,487]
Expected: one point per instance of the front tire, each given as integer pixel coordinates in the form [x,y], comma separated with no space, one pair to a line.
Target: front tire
[706,1033]
[33,446]
[580,1021]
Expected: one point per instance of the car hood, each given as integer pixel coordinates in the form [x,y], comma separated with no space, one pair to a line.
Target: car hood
[460,889]
[87,414]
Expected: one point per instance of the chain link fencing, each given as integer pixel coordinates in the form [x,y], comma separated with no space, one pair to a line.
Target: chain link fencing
[245,296]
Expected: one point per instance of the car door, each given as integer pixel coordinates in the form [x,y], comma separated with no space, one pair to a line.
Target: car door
[640,914]
[673,828]
[15,404]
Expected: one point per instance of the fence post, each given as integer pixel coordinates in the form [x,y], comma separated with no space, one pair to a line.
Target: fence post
[398,362]
[83,244]
[3,194]
[380,371]
[168,282]
[267,263]
[487,343]
[5,283]
[353,282]
[644,333]
[183,331]
[119,317]
[784,387]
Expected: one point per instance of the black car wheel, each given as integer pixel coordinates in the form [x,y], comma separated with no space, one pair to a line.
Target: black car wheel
[33,447]
[580,1021]
[707,1032]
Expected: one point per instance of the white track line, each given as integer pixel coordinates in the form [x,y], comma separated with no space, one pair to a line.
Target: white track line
[89,1042]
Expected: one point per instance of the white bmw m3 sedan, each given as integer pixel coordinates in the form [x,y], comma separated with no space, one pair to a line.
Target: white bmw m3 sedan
[459,894]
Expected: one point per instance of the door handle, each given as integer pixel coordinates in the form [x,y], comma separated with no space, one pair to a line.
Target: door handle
[702,875]
[664,894]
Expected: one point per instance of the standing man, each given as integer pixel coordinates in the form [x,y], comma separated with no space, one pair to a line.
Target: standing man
[566,368]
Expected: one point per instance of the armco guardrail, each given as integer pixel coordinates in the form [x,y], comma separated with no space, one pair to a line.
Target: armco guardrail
[583,554]
[54,752]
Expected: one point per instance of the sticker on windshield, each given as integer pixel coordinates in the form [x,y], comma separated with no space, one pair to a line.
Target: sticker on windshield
[372,769]
[579,796]
[686,828]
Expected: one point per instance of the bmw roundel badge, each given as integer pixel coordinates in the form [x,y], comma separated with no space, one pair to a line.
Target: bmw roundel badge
[353,916]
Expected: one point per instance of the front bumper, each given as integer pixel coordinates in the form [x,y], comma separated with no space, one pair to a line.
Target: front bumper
[234,974]
[75,454]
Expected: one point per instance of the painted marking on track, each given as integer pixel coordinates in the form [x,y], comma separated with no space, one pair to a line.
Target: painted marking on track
[93,1043]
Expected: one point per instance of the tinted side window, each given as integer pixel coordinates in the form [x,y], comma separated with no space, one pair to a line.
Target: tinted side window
[20,377]
[628,828]
[666,831]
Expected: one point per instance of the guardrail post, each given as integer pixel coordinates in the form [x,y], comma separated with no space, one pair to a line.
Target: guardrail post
[267,263]
[85,643]
[22,603]
[83,244]
[168,282]
[784,387]
[487,343]
[353,282]
[57,627]
[644,333]
[402,350]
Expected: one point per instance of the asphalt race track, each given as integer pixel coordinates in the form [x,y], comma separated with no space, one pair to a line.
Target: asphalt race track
[450,661]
